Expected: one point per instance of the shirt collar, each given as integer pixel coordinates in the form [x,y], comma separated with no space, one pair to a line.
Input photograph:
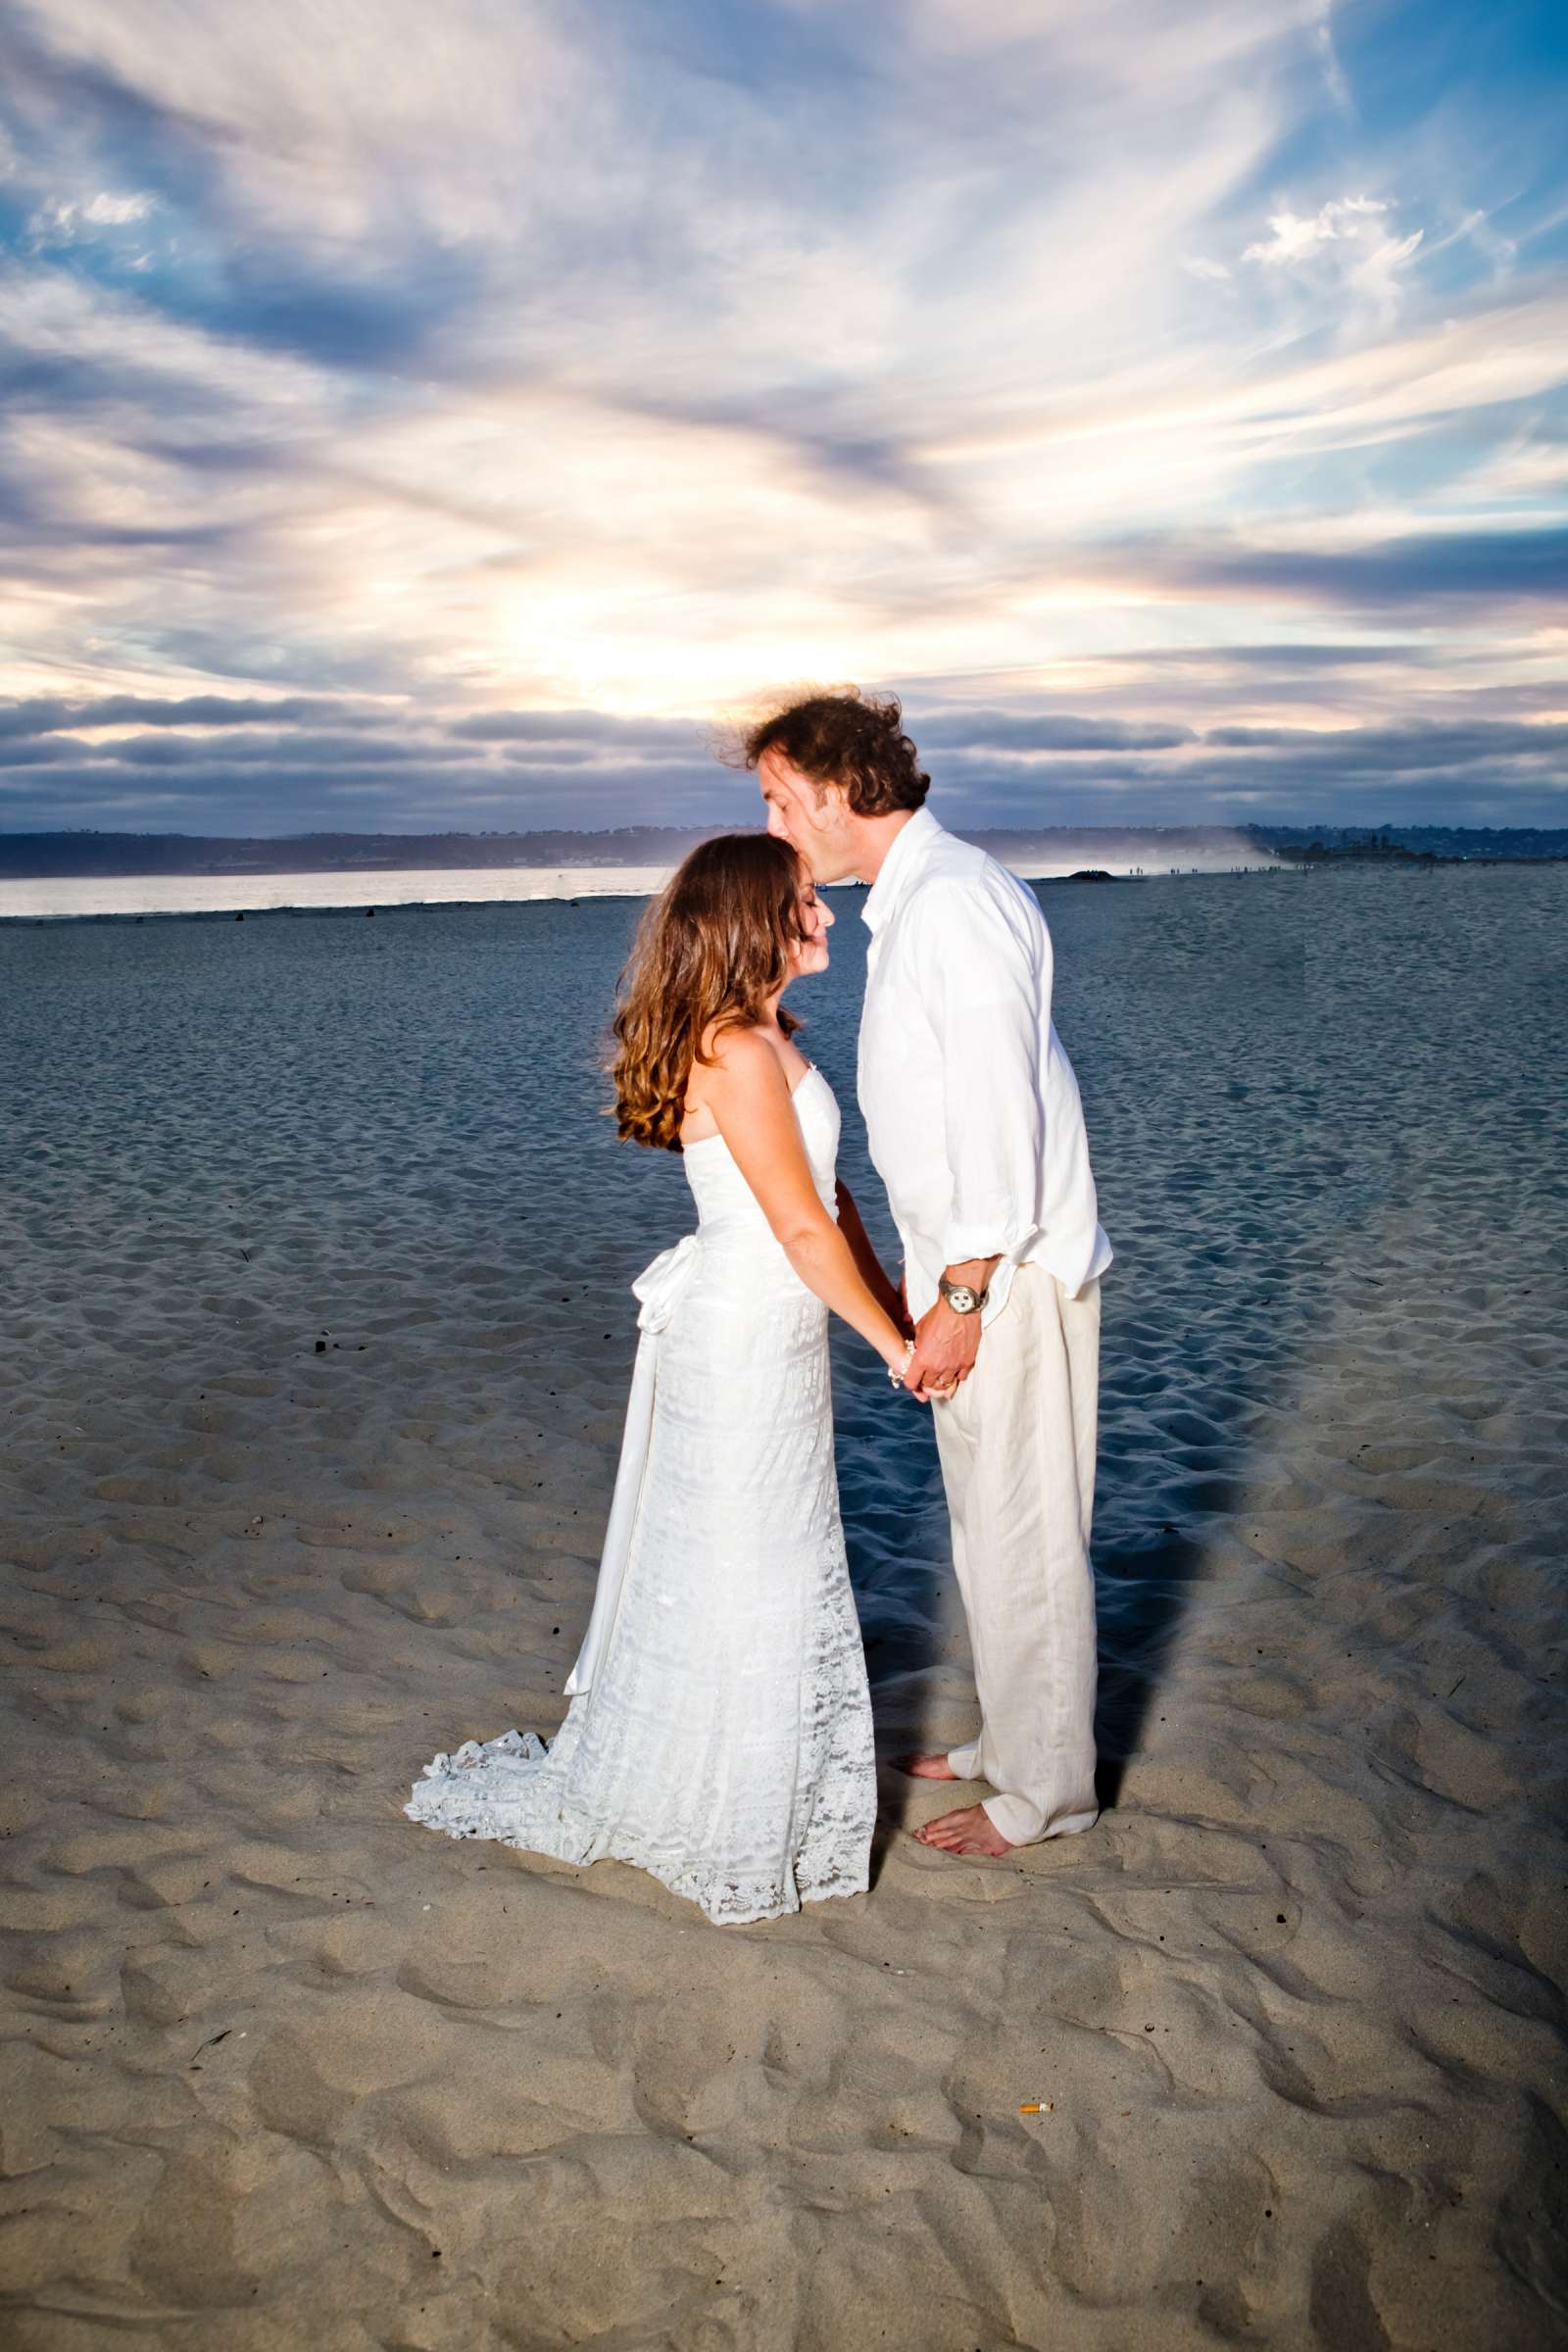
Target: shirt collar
[912,845]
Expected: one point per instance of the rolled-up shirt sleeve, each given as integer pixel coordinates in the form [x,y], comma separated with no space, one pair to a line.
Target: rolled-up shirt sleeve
[988,1003]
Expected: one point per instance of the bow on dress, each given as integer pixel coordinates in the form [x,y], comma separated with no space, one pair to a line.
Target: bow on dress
[658,1289]
[661,1285]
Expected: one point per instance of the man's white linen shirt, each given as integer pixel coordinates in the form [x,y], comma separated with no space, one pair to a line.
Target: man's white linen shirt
[970,1105]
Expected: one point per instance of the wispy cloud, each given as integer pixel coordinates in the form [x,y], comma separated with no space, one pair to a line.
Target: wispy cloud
[1334,76]
[61,218]
[1291,239]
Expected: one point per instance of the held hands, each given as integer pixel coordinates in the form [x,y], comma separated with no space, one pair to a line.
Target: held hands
[940,1352]
[946,1345]
[899,1354]
[946,1342]
[900,1361]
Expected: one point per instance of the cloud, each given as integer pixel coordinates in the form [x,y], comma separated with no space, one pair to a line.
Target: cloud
[1410,574]
[1293,239]
[258,765]
[1334,76]
[583,768]
[64,217]
[536,395]
[596,727]
[46,713]
[1054,731]
[1393,751]
[1285,659]
[257,749]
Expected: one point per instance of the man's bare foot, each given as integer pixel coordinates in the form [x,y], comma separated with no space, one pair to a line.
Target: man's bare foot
[969,1831]
[925,1768]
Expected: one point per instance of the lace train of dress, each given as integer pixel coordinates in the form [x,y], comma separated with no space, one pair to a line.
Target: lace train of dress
[719,1727]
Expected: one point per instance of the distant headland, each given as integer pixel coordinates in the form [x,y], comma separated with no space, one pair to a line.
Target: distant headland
[30,857]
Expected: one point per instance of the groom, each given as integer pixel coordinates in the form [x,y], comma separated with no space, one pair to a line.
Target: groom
[974,1123]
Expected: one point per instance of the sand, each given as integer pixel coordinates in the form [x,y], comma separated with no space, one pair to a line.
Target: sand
[313,1335]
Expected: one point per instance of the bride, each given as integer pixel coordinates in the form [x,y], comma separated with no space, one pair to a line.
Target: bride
[719,1727]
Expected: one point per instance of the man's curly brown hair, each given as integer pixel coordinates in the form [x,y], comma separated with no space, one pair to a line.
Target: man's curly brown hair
[853,740]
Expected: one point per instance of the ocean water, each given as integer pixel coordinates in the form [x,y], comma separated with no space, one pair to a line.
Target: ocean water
[81,895]
[1281,1083]
[443,886]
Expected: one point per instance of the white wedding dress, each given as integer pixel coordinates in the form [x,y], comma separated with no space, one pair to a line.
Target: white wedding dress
[719,1727]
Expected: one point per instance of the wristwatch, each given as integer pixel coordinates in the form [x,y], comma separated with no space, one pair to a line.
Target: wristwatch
[961,1298]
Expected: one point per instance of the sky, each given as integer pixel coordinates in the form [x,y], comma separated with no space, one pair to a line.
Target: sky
[426,418]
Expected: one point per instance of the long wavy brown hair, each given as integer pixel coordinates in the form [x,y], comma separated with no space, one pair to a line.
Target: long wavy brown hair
[712,947]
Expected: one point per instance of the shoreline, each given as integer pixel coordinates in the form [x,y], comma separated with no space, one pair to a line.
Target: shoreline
[630,883]
[232,898]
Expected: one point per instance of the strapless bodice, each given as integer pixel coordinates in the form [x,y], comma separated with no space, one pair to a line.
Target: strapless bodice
[726,1206]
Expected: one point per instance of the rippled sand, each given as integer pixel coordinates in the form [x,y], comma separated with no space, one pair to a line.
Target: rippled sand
[314,1335]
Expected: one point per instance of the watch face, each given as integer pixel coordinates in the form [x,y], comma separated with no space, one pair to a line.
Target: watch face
[960,1299]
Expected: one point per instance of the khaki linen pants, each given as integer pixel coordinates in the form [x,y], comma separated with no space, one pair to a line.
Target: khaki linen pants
[1017,1447]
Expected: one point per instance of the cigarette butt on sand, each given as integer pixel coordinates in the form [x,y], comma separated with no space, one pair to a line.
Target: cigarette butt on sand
[1034,2107]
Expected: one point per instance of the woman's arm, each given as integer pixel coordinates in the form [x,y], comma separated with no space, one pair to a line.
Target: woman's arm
[750,1099]
[867,1262]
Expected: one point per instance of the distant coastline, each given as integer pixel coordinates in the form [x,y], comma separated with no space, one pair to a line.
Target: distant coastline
[1059,849]
[1415,844]
[65,877]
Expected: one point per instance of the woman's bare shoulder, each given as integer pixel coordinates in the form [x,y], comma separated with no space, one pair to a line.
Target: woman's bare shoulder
[741,1054]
